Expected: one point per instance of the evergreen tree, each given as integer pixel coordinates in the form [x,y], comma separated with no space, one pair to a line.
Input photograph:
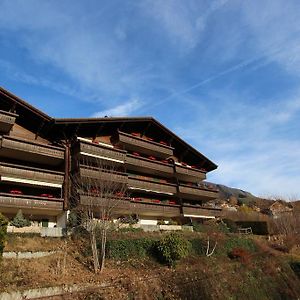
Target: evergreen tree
[19,220]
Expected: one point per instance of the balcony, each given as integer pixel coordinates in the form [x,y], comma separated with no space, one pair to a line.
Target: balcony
[99,151]
[86,199]
[152,167]
[156,210]
[30,176]
[102,175]
[201,212]
[7,121]
[124,206]
[30,204]
[151,186]
[189,174]
[196,193]
[25,150]
[134,143]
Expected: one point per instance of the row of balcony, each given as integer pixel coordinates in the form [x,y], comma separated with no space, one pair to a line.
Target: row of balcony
[135,162]
[19,149]
[30,204]
[145,208]
[7,120]
[148,147]
[147,185]
[30,176]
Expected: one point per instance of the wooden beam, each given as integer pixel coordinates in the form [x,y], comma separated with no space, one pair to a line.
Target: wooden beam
[39,129]
[146,128]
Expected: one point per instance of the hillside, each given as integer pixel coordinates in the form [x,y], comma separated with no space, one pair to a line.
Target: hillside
[258,272]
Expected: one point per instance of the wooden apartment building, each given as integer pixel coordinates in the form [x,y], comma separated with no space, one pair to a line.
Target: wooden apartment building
[164,176]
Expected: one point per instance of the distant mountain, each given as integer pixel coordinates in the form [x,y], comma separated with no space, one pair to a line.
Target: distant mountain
[225,192]
[242,197]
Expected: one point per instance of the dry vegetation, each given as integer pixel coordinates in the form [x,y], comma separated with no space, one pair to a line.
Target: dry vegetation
[263,273]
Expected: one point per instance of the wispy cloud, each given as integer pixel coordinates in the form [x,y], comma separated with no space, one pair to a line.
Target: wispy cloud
[122,110]
[250,143]
[223,74]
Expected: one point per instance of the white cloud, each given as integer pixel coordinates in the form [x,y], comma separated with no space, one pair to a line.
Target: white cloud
[183,21]
[275,27]
[121,110]
[252,144]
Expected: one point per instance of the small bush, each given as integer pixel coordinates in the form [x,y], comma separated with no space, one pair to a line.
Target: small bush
[240,253]
[19,220]
[237,242]
[198,246]
[73,219]
[126,249]
[172,248]
[3,232]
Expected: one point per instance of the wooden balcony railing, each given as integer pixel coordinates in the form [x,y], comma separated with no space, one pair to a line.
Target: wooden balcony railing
[30,202]
[101,174]
[150,186]
[144,165]
[189,174]
[134,143]
[27,175]
[201,212]
[196,193]
[28,150]
[102,152]
[7,120]
[124,206]
[158,210]
[110,203]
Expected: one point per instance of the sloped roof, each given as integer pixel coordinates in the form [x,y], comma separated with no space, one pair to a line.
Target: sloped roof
[66,127]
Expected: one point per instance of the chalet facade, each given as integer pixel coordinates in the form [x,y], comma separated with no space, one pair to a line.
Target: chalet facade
[163,175]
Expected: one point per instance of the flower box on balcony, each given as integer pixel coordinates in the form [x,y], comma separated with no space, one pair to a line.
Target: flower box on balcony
[136,154]
[163,143]
[16,192]
[172,202]
[137,199]
[155,201]
[136,134]
[151,157]
[149,139]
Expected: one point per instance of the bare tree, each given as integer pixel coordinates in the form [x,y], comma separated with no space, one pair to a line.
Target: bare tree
[98,188]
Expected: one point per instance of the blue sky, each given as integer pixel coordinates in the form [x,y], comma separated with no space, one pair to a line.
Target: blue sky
[223,74]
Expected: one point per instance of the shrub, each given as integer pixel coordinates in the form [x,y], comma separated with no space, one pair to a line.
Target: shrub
[198,246]
[237,242]
[73,219]
[19,220]
[172,248]
[126,249]
[3,228]
[240,253]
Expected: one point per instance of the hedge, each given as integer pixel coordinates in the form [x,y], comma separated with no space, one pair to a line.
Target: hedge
[3,232]
[125,249]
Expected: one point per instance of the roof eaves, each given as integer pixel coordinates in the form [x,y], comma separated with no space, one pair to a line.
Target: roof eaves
[25,104]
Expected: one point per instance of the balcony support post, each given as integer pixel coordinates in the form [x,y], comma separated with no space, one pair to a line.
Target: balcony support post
[67,175]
